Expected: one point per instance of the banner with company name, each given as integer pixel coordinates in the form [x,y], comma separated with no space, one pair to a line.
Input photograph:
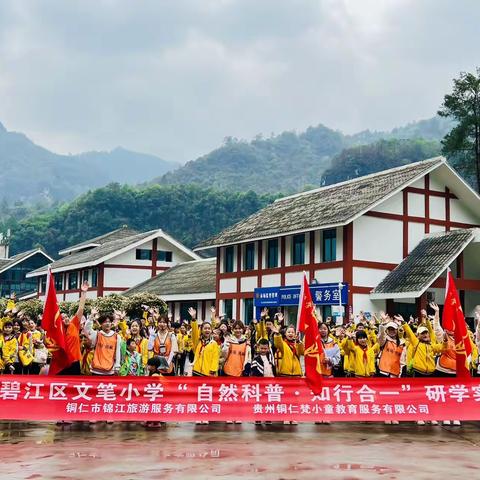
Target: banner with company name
[186,399]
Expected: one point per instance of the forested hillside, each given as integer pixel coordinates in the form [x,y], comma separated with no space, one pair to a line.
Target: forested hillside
[290,161]
[188,213]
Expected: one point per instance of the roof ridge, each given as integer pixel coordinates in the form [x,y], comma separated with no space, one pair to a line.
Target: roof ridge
[439,159]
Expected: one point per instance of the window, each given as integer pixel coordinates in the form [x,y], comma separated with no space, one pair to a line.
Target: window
[272,253]
[85,276]
[228,308]
[94,277]
[184,306]
[43,284]
[228,260]
[329,245]
[298,249]
[248,310]
[249,258]
[142,254]
[73,281]
[59,281]
[163,256]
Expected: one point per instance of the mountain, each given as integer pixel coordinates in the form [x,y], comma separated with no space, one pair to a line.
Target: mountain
[287,162]
[384,154]
[30,173]
[187,212]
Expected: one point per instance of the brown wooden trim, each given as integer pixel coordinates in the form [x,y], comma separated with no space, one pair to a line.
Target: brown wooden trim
[432,193]
[427,203]
[217,280]
[116,289]
[447,209]
[259,262]
[134,267]
[312,256]
[100,279]
[413,219]
[283,271]
[348,258]
[239,281]
[358,289]
[460,266]
[235,296]
[282,259]
[154,256]
[373,265]
[405,224]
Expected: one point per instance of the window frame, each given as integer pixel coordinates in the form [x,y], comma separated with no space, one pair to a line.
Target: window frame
[294,260]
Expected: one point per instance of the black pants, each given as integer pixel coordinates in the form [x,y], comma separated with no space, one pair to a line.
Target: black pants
[73,369]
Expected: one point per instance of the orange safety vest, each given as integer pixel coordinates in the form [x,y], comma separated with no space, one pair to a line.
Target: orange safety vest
[327,369]
[105,351]
[448,359]
[390,358]
[236,359]
[164,349]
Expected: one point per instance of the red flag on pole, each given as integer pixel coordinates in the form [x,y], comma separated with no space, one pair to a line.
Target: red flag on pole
[52,323]
[453,320]
[314,353]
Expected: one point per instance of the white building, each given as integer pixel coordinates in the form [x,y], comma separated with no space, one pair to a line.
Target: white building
[357,232]
[189,284]
[112,263]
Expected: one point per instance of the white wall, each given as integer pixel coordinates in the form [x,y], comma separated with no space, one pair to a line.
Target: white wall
[416,233]
[228,285]
[248,284]
[293,278]
[368,277]
[416,205]
[437,208]
[377,240]
[392,205]
[362,302]
[124,277]
[459,213]
[271,280]
[329,275]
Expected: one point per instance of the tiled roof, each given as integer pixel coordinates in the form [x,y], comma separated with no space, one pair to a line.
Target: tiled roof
[423,265]
[120,233]
[92,255]
[6,263]
[324,207]
[185,278]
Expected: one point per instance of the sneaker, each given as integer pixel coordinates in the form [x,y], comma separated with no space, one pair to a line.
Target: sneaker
[457,423]
[205,422]
[268,422]
[421,422]
[258,422]
[395,422]
[434,422]
[446,422]
[286,422]
[293,423]
[238,422]
[229,421]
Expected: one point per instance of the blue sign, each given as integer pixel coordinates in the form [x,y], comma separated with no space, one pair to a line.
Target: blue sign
[322,294]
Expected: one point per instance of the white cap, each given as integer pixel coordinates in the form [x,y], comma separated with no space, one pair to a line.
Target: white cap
[392,325]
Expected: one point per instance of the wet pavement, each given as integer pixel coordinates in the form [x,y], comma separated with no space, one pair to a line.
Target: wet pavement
[183,451]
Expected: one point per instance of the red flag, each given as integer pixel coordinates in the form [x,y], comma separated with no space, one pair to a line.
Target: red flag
[314,353]
[453,320]
[53,325]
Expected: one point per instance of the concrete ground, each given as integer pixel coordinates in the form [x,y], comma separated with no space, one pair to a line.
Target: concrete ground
[183,451]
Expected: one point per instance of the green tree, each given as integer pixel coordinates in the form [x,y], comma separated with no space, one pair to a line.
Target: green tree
[463,105]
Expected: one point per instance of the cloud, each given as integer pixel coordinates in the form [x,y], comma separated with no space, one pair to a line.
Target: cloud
[175,78]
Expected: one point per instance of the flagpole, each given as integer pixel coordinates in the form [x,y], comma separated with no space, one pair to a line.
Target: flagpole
[300,300]
[47,286]
[447,282]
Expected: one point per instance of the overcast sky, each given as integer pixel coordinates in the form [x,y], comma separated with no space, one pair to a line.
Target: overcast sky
[173,78]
